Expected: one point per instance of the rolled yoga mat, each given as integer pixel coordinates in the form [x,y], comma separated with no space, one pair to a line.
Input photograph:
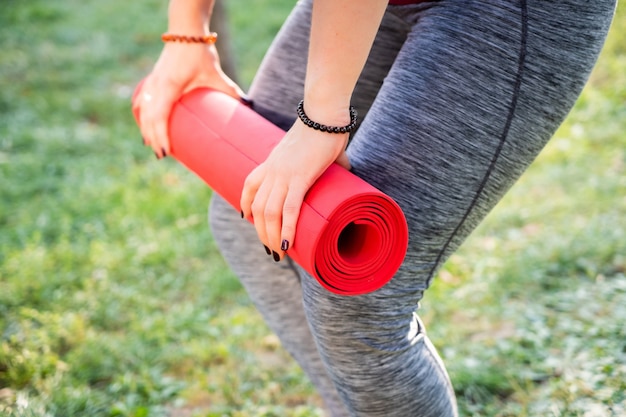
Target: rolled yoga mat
[350,236]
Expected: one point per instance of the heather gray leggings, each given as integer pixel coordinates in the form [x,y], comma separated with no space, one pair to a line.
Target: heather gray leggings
[458,97]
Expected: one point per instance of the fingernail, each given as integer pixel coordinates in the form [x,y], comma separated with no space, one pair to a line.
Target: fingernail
[164,153]
[267,250]
[246,100]
[284,245]
[157,155]
[241,214]
[143,140]
[276,256]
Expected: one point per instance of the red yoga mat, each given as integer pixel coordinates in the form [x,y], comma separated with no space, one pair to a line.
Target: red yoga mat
[350,236]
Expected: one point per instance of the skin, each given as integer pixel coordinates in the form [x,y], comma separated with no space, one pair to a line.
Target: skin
[342,34]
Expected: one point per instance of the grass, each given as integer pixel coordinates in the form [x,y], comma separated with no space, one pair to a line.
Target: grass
[115,302]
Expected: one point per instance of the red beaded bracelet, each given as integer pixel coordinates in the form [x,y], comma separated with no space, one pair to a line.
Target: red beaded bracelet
[207,39]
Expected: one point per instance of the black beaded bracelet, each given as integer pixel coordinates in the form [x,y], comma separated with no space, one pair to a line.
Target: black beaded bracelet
[323,128]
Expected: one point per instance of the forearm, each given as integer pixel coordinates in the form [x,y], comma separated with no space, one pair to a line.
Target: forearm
[181,67]
[189,17]
[342,33]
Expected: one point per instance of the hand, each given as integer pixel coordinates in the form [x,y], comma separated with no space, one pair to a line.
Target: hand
[274,191]
[180,68]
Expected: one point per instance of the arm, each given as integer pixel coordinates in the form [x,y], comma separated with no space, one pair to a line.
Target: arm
[190,17]
[181,67]
[342,34]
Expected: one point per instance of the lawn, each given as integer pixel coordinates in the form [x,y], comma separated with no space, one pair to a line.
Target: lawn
[115,302]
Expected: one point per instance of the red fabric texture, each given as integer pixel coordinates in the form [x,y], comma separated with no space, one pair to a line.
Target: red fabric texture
[350,236]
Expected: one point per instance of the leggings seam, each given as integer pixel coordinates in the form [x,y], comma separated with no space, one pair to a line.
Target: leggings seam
[502,140]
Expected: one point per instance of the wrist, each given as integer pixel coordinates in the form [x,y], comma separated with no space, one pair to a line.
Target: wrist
[188,27]
[330,112]
[328,128]
[327,100]
[189,17]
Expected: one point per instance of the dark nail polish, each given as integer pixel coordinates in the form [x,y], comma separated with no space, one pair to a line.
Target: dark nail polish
[241,214]
[276,256]
[284,245]
[157,155]
[246,100]
[164,153]
[267,250]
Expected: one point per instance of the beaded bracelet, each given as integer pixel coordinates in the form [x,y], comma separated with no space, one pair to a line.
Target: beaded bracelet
[323,128]
[207,39]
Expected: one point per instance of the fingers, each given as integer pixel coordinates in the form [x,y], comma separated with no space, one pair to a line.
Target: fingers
[281,213]
[155,102]
[229,87]
[250,187]
[258,213]
[290,213]
[275,206]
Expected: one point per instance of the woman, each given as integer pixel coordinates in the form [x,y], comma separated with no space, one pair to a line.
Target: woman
[455,99]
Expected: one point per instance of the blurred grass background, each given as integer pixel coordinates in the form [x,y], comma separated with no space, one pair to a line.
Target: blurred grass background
[115,302]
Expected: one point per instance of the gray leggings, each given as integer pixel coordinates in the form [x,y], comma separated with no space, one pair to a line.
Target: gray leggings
[458,98]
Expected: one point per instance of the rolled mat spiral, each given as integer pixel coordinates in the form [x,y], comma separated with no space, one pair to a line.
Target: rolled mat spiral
[350,236]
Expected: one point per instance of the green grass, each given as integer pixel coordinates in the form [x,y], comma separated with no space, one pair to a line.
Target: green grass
[115,302]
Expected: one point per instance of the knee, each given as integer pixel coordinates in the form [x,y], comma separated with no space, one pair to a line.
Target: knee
[363,324]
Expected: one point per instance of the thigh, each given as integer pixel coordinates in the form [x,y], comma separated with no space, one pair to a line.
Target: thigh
[475,93]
